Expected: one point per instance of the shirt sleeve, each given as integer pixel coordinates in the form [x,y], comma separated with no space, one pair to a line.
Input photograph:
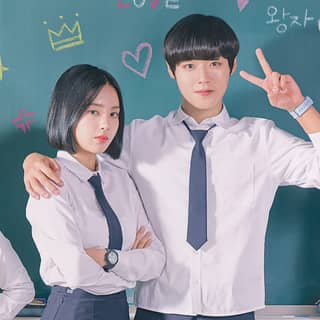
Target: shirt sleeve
[294,161]
[141,264]
[57,236]
[15,282]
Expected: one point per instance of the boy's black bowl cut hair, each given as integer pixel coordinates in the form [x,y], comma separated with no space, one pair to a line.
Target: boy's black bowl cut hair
[200,37]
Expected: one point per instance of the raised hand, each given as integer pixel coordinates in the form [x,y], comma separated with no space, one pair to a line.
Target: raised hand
[282,90]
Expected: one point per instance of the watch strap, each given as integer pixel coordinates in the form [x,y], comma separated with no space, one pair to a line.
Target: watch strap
[302,108]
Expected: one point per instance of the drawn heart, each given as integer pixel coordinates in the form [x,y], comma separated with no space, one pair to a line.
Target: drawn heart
[136,57]
[242,4]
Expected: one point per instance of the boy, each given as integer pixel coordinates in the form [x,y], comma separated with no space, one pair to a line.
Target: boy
[207,180]
[14,281]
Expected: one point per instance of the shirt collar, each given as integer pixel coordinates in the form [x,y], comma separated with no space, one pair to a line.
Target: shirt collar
[78,169]
[222,119]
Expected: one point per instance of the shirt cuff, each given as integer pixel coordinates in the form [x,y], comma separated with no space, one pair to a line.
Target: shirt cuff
[315,138]
[123,264]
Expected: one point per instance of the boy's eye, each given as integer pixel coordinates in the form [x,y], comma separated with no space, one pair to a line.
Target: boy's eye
[188,66]
[215,64]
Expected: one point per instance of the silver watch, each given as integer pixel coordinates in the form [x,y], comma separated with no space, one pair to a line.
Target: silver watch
[111,258]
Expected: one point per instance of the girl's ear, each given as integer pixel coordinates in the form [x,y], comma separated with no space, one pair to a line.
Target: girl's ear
[170,72]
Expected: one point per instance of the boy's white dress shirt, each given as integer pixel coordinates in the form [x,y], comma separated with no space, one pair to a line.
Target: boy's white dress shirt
[65,225]
[17,287]
[247,160]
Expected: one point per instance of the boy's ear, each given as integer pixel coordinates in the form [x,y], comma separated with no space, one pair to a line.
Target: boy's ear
[235,64]
[170,72]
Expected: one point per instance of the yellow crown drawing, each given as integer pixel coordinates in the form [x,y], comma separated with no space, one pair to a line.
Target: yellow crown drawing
[66,37]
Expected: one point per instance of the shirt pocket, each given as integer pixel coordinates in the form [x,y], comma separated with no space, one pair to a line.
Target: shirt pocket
[233,183]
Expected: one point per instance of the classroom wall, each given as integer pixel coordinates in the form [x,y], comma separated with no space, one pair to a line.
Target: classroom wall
[40,39]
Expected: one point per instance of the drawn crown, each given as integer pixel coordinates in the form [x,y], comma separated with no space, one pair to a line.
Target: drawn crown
[66,37]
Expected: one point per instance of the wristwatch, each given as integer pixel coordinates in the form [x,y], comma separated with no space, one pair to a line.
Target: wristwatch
[111,259]
[302,108]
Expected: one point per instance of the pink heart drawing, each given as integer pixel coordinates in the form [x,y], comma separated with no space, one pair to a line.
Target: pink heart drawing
[136,57]
[242,4]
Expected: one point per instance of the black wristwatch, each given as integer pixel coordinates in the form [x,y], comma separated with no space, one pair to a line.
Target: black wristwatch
[111,259]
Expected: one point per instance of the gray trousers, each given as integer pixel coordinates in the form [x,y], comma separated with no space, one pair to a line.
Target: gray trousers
[67,304]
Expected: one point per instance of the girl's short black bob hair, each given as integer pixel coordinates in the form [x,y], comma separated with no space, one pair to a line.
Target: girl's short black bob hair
[73,93]
[200,37]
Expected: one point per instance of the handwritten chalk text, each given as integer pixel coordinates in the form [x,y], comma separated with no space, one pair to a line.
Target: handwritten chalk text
[168,4]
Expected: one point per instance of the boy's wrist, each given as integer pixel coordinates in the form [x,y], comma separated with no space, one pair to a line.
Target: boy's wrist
[299,110]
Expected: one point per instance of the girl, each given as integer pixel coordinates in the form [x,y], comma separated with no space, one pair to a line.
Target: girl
[98,207]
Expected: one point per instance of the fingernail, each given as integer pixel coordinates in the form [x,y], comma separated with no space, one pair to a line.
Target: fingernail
[45,195]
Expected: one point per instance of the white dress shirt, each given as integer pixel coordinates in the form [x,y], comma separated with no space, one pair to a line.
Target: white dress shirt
[65,225]
[17,287]
[247,160]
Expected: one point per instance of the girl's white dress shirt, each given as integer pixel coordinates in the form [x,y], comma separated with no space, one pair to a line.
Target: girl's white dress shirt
[65,225]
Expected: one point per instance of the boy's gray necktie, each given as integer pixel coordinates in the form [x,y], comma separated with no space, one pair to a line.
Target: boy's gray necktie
[197,212]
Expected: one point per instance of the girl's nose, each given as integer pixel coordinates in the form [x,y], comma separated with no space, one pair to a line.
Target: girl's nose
[104,124]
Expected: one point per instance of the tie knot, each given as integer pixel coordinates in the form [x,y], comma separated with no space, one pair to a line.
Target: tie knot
[198,135]
[95,181]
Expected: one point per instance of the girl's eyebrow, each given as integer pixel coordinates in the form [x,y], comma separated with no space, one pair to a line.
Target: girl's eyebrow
[101,105]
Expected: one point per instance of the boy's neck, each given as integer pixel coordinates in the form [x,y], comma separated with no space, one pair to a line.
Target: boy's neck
[199,115]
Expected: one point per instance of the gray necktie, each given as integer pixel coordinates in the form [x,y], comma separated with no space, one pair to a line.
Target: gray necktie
[115,231]
[197,212]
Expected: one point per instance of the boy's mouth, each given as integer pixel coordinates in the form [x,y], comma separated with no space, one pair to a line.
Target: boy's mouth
[204,92]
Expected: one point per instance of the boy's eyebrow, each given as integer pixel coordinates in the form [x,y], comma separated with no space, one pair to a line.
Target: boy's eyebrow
[193,59]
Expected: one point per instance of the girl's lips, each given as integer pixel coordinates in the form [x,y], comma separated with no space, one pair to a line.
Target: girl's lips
[102,139]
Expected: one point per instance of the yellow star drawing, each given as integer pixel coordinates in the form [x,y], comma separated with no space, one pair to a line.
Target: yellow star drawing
[2,68]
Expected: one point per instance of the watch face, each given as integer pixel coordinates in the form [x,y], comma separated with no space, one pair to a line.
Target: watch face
[112,257]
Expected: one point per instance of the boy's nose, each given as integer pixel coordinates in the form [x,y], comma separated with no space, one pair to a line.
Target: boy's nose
[204,76]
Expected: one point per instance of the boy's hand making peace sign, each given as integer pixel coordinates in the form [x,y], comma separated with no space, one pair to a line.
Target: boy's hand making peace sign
[282,90]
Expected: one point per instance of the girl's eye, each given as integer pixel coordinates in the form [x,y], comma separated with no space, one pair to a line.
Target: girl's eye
[115,114]
[93,112]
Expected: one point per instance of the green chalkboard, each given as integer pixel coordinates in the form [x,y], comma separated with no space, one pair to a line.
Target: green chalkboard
[40,39]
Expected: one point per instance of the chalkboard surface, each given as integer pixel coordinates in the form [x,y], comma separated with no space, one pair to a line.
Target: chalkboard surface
[40,39]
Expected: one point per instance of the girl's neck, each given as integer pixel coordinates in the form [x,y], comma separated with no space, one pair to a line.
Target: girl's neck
[88,160]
